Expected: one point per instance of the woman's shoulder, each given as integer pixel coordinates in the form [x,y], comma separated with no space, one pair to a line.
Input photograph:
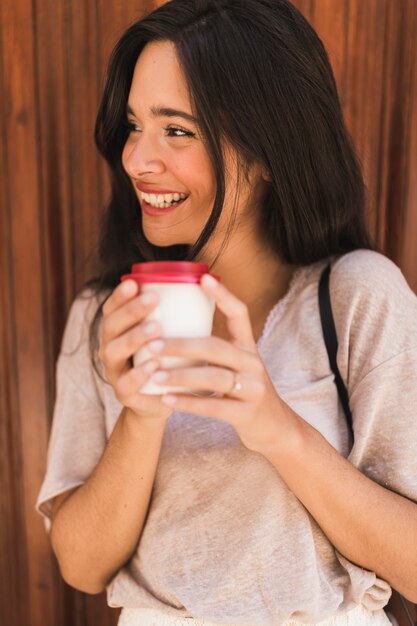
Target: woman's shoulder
[366,264]
[374,308]
[80,316]
[367,275]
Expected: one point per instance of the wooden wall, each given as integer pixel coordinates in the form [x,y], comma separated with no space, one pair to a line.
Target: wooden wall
[53,185]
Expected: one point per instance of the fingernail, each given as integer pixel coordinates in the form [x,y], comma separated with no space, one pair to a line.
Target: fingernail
[128,287]
[160,377]
[209,281]
[150,328]
[150,367]
[156,346]
[170,400]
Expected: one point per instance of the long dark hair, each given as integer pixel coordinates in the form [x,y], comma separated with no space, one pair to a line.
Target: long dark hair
[259,78]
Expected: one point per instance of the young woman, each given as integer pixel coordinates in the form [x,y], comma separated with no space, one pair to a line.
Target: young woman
[223,131]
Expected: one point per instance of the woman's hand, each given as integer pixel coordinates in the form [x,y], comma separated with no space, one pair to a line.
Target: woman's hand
[235,372]
[124,332]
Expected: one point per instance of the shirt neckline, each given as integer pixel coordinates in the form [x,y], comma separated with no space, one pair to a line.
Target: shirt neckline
[297,281]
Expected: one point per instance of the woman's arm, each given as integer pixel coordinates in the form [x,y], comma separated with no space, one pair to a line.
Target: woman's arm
[368,524]
[96,528]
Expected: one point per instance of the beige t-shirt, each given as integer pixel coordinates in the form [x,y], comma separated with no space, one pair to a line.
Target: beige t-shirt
[225,539]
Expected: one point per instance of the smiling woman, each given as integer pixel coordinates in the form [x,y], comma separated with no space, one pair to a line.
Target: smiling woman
[252,504]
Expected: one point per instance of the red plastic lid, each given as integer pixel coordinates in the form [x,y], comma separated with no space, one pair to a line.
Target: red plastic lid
[164,278]
[168,272]
[177,267]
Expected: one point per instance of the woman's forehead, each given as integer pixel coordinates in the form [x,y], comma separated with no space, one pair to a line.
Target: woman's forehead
[159,78]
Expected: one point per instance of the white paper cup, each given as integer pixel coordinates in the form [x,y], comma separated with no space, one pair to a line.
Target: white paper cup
[184,310]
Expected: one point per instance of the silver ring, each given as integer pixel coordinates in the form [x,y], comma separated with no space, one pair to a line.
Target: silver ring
[236,386]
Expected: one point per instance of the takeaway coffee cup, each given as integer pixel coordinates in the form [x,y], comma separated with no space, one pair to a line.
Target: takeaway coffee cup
[184,310]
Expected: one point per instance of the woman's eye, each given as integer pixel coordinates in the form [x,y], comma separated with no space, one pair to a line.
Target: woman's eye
[131,127]
[178,132]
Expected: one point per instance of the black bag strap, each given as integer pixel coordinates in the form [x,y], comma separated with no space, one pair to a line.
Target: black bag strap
[330,340]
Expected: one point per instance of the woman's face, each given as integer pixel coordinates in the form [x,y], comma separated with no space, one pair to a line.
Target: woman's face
[166,158]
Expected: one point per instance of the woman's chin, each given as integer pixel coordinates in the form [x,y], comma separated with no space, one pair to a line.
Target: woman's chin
[162,240]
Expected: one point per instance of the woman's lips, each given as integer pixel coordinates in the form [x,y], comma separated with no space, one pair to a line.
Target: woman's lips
[154,190]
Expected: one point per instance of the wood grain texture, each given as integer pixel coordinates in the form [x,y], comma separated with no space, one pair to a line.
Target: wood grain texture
[409,242]
[24,317]
[53,187]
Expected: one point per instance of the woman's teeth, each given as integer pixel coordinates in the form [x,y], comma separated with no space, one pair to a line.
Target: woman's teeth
[162,201]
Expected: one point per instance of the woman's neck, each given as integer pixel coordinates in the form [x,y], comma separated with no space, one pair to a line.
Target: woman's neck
[253,274]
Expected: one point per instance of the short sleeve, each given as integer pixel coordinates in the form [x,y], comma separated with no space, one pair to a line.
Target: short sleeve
[78,434]
[376,320]
[385,408]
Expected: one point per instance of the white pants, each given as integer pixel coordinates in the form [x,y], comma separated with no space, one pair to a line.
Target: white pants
[358,616]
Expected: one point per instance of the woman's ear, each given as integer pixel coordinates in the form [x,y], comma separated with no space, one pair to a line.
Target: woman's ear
[266,175]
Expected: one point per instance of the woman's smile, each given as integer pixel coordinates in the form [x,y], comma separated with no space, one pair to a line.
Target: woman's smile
[156,205]
[163,199]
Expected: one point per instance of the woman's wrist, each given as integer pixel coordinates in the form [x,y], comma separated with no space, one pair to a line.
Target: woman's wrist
[140,424]
[280,436]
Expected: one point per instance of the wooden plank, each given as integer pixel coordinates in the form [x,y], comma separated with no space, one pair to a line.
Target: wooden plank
[12,557]
[85,175]
[364,87]
[56,192]
[396,120]
[25,269]
[403,194]
[409,241]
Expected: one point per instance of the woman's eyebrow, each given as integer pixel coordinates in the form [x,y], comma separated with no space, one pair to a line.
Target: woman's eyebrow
[167,112]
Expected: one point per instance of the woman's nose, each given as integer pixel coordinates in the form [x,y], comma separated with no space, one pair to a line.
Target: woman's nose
[142,156]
